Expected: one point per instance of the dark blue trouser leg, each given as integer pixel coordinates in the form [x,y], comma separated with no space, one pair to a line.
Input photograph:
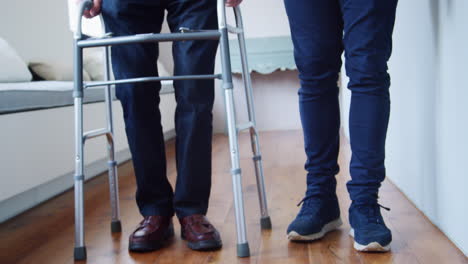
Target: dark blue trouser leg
[140,104]
[194,105]
[317,29]
[317,36]
[368,27]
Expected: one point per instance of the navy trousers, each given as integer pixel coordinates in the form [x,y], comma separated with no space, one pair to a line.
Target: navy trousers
[321,30]
[140,102]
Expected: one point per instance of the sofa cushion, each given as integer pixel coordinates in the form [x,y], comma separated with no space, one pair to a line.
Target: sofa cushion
[18,97]
[51,72]
[12,67]
[28,96]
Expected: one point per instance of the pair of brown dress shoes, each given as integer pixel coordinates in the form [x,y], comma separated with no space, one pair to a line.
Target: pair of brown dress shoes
[154,232]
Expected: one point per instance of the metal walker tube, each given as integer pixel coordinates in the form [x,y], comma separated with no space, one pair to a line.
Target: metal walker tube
[80,249]
[243,249]
[265,221]
[116,226]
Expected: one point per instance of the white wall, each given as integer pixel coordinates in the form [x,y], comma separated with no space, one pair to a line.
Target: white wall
[427,142]
[38,30]
[451,143]
[263,18]
[414,68]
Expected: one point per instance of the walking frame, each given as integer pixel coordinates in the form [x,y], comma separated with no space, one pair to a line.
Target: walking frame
[81,42]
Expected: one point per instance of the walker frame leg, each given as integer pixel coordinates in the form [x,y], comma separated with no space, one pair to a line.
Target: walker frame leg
[80,248]
[243,249]
[78,92]
[116,226]
[265,221]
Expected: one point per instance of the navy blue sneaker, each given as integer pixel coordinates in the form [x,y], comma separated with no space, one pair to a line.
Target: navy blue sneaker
[318,216]
[368,227]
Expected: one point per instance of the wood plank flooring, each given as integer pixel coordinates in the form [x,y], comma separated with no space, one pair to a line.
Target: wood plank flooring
[45,233]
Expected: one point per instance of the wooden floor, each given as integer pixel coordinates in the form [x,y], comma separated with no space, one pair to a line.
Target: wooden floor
[45,233]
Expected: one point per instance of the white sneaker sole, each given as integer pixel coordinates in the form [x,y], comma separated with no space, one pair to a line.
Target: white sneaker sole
[294,236]
[371,247]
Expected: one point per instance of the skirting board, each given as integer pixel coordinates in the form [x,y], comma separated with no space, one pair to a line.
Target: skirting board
[19,203]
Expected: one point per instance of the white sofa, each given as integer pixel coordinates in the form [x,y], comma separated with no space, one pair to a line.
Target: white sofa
[37,137]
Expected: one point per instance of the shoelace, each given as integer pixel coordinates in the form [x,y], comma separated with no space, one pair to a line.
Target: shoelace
[200,221]
[307,197]
[146,222]
[372,211]
[311,205]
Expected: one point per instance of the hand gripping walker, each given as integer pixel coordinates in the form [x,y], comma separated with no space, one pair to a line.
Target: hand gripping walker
[80,42]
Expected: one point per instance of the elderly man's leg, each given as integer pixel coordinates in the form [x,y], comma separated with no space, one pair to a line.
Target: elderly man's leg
[142,117]
[193,122]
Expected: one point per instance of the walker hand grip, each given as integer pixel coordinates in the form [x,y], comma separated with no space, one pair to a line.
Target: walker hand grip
[82,6]
[88,4]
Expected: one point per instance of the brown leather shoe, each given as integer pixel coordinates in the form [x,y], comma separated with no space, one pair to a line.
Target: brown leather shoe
[199,233]
[151,234]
